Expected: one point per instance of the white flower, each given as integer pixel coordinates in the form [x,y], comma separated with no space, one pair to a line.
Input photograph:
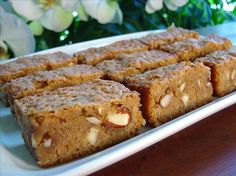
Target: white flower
[154,5]
[83,16]
[104,11]
[57,19]
[16,34]
[54,15]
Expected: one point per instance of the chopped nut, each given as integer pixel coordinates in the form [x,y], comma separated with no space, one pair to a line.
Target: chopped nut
[199,83]
[92,136]
[182,86]
[208,84]
[33,141]
[233,75]
[118,120]
[100,110]
[144,122]
[165,101]
[47,142]
[94,120]
[185,99]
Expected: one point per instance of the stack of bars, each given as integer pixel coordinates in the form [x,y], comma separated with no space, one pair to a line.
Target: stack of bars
[68,106]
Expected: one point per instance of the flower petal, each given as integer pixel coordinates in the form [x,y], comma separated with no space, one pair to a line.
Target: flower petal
[153,5]
[57,19]
[106,11]
[118,18]
[170,5]
[36,27]
[27,8]
[6,5]
[91,7]
[69,4]
[102,10]
[178,3]
[83,16]
[21,41]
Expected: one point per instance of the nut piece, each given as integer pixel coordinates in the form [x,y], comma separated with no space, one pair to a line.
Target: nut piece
[47,142]
[199,83]
[92,136]
[233,75]
[118,120]
[165,101]
[185,99]
[144,122]
[100,110]
[182,86]
[33,141]
[94,120]
[208,84]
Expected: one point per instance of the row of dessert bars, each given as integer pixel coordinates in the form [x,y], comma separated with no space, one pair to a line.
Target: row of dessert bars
[66,108]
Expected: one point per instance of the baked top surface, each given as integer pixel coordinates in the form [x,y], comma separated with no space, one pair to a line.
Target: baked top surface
[34,61]
[135,60]
[161,74]
[92,93]
[192,43]
[29,82]
[170,34]
[219,57]
[92,52]
[146,56]
[126,45]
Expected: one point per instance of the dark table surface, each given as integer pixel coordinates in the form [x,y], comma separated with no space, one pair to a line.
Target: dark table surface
[205,148]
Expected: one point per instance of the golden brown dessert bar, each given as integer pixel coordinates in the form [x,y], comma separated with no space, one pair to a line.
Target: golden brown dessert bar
[190,49]
[223,70]
[26,65]
[173,90]
[71,122]
[127,46]
[171,35]
[48,80]
[93,56]
[128,64]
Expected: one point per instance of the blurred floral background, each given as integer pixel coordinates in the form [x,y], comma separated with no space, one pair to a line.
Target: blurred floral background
[33,25]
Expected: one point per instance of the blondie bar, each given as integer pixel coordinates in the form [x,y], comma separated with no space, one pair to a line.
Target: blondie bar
[48,80]
[223,70]
[128,64]
[26,65]
[173,90]
[171,35]
[93,56]
[71,122]
[190,49]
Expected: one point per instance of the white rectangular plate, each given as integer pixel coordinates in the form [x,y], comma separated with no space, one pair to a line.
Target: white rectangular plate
[16,160]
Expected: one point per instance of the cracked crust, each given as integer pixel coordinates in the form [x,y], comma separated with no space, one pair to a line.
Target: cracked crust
[31,64]
[190,49]
[93,56]
[128,64]
[171,35]
[49,80]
